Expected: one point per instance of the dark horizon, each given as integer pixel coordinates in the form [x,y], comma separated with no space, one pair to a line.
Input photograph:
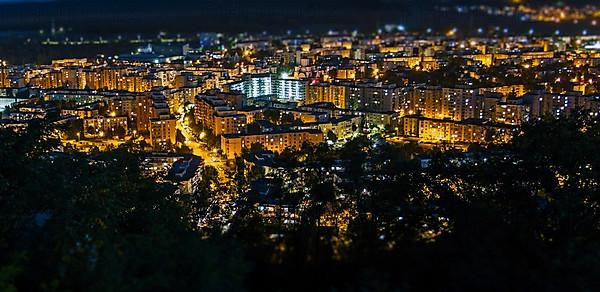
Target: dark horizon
[111,16]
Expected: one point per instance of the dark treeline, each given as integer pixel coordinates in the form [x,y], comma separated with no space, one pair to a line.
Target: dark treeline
[516,217]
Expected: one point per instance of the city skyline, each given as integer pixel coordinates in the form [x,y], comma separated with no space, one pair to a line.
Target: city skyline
[386,145]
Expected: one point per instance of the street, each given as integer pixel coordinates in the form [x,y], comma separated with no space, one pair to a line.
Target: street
[200,149]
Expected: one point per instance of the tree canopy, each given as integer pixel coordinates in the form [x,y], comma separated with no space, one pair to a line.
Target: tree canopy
[521,216]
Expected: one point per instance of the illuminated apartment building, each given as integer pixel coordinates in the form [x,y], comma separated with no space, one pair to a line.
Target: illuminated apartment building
[72,78]
[74,62]
[133,83]
[232,145]
[555,105]
[343,127]
[421,63]
[536,57]
[325,92]
[4,82]
[205,108]
[461,104]
[374,96]
[163,132]
[80,112]
[179,97]
[288,89]
[485,59]
[78,96]
[105,127]
[425,100]
[442,103]
[252,114]
[254,85]
[345,73]
[516,90]
[510,114]
[93,79]
[217,115]
[337,41]
[160,107]
[137,107]
[434,130]
[260,85]
[228,123]
[111,77]
[123,105]
[143,113]
[52,79]
[163,126]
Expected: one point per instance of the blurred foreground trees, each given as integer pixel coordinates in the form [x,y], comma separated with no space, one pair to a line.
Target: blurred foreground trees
[73,223]
[521,216]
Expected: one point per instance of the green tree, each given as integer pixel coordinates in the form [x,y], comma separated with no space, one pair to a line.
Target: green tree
[272,115]
[332,136]
[97,225]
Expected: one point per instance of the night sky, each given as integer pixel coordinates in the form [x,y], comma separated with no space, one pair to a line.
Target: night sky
[116,16]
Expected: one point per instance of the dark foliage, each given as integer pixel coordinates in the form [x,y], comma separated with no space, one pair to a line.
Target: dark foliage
[73,223]
[521,217]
